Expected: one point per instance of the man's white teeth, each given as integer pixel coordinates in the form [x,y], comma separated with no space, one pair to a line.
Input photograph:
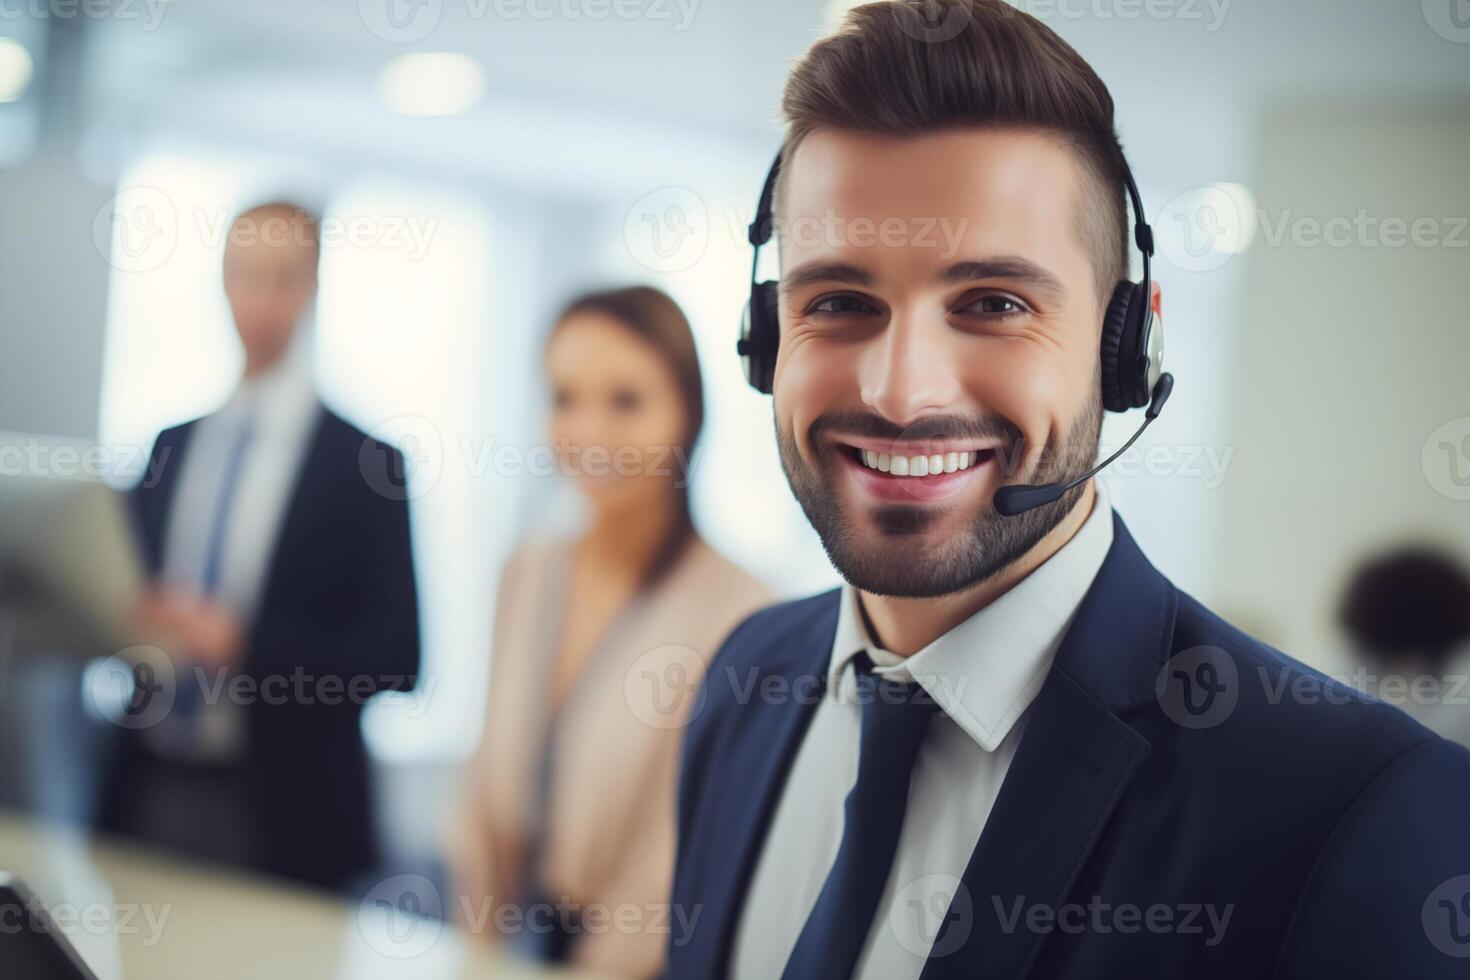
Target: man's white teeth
[918,465]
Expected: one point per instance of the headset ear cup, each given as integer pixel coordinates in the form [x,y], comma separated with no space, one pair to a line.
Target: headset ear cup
[1122,362]
[765,336]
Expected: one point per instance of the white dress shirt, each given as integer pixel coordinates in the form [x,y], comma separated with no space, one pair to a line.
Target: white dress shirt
[281,406]
[983,674]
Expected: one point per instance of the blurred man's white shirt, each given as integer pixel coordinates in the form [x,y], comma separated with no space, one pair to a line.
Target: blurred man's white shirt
[281,405]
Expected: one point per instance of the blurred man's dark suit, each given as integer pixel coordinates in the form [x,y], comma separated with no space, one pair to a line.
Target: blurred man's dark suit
[337,600]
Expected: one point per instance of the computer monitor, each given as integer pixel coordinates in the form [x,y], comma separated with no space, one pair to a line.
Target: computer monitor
[31,945]
[70,573]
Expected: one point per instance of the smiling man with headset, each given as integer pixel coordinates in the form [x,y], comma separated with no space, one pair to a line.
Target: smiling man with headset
[1033,755]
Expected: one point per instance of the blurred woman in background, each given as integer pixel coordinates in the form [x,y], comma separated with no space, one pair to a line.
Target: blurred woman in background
[565,840]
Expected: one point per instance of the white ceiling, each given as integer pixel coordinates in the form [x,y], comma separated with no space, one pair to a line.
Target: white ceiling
[657,97]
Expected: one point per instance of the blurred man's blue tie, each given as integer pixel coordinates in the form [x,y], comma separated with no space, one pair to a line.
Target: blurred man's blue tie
[190,695]
[895,717]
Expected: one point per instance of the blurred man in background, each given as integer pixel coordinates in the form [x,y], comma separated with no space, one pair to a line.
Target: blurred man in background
[278,539]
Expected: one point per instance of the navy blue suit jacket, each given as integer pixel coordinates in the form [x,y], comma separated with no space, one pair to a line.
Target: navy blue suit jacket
[338,609]
[1171,766]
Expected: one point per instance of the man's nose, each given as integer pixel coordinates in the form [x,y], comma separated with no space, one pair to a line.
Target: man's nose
[908,370]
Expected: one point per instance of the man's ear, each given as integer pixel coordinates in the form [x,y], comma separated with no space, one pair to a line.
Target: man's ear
[1155,300]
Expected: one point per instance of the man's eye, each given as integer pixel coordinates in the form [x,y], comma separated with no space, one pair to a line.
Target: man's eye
[994,306]
[839,305]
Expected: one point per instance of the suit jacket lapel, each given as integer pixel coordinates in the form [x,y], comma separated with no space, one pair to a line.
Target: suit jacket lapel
[748,797]
[1075,761]
[152,498]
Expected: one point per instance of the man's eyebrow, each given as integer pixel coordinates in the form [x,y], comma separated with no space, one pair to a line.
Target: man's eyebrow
[1006,267]
[815,271]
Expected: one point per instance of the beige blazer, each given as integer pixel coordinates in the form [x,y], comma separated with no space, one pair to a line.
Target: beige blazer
[606,841]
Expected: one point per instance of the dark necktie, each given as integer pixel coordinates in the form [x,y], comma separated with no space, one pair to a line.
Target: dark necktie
[189,698]
[224,505]
[895,717]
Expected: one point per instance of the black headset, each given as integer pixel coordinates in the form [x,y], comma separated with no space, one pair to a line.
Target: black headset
[1132,351]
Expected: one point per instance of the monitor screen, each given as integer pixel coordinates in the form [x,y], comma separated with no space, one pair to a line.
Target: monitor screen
[31,946]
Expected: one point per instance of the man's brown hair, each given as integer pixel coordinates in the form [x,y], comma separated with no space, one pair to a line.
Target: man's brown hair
[913,67]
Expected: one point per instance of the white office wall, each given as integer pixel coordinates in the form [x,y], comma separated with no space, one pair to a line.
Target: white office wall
[1351,409]
[170,352]
[53,298]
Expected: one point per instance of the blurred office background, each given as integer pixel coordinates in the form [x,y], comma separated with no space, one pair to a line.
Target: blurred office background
[478,162]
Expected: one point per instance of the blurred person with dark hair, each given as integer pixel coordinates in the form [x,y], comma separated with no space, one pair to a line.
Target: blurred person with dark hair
[1407,611]
[277,536]
[600,643]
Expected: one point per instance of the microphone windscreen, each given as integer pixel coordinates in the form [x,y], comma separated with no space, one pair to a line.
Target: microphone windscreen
[1013,500]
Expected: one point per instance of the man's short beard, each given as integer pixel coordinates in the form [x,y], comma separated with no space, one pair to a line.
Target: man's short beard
[889,567]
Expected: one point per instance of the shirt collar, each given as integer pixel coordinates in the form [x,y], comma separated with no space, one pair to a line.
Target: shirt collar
[986,671]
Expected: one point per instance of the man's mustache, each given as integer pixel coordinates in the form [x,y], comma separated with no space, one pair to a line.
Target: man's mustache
[873,426]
